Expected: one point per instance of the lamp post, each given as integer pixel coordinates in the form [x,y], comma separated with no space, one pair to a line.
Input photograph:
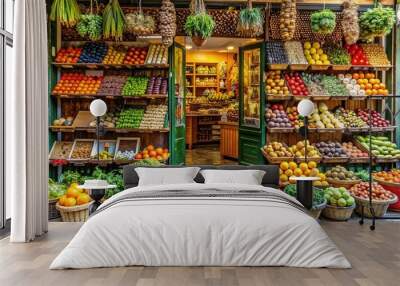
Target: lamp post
[304,184]
[98,108]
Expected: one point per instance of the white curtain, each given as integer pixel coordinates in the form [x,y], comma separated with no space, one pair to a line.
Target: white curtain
[27,141]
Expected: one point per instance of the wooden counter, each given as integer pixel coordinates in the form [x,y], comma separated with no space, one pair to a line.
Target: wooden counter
[194,124]
[229,146]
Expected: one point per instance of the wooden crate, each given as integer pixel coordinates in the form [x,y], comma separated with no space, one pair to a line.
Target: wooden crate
[57,146]
[76,143]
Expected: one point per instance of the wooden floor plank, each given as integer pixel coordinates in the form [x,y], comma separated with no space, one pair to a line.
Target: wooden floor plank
[375,257]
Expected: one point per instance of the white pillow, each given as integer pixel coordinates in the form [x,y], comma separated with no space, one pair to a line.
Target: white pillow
[248,177]
[166,176]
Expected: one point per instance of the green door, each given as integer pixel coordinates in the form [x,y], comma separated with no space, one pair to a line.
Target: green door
[252,104]
[177,94]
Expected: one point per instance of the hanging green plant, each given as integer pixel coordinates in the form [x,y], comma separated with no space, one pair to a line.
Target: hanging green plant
[251,21]
[113,21]
[65,11]
[376,22]
[199,25]
[90,25]
[323,22]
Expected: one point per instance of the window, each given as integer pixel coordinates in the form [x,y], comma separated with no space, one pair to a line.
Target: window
[6,64]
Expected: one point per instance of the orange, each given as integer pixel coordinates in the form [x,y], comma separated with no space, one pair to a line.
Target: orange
[73,192]
[165,156]
[153,153]
[159,151]
[284,166]
[283,178]
[307,173]
[150,147]
[361,75]
[62,199]
[356,76]
[312,164]
[303,166]
[289,172]
[298,172]
[83,199]
[292,165]
[70,202]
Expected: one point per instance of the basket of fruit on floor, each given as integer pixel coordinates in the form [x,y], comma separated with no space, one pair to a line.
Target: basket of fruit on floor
[319,201]
[390,180]
[340,204]
[74,205]
[56,190]
[381,199]
[339,176]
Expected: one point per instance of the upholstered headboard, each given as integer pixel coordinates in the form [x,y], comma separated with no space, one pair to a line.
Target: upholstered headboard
[271,177]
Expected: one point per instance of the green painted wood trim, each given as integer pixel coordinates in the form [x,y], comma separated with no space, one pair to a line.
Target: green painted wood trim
[177,134]
[252,139]
[396,76]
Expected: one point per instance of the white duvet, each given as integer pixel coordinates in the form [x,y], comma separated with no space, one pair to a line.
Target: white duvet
[200,231]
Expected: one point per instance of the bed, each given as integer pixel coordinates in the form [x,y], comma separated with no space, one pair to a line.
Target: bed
[197,224]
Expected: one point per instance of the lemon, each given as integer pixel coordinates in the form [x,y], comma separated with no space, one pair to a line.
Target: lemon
[326,62]
[313,51]
[316,45]
[320,51]
[318,62]
[311,62]
[307,45]
[316,57]
[306,52]
[309,57]
[323,57]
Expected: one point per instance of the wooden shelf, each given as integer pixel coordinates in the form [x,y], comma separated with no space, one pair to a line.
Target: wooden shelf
[109,66]
[63,129]
[109,96]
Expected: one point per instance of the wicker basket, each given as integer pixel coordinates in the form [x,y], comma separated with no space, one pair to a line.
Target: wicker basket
[316,211]
[338,213]
[53,211]
[340,183]
[380,207]
[74,214]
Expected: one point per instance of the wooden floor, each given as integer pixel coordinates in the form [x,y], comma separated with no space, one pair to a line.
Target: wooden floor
[375,257]
[206,155]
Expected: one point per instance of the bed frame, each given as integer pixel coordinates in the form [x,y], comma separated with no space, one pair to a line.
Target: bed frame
[270,179]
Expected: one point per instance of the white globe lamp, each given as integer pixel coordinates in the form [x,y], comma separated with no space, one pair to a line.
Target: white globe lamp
[98,108]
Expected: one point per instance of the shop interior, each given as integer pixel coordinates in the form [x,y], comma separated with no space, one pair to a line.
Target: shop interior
[212,100]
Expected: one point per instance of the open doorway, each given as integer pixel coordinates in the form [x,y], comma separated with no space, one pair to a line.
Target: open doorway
[212,100]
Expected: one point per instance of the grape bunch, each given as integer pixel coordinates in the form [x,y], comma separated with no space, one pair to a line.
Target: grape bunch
[91,26]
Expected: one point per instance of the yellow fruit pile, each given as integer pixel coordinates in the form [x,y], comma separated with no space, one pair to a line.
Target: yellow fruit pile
[276,149]
[275,84]
[299,150]
[289,169]
[74,196]
[315,55]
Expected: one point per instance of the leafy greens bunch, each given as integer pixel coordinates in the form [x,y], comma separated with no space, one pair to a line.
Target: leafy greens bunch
[376,22]
[323,22]
[201,25]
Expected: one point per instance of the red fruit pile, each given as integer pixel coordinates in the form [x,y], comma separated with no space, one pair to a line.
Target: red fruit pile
[296,84]
[376,118]
[68,55]
[358,57]
[77,83]
[361,190]
[135,56]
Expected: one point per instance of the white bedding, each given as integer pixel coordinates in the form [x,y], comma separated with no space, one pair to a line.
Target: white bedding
[200,231]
